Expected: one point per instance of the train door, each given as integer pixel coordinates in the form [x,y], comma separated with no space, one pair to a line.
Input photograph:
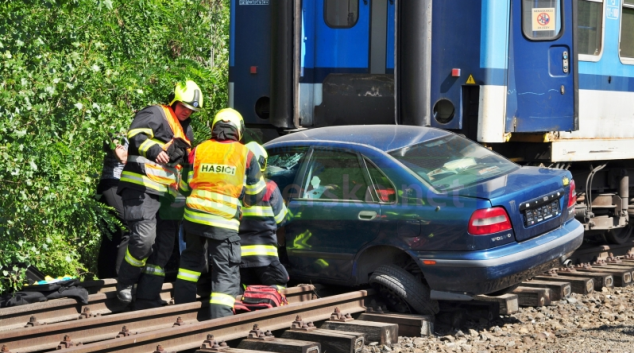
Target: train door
[336,44]
[345,60]
[542,87]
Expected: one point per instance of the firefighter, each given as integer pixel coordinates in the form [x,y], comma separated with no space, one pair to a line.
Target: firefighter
[223,173]
[258,227]
[159,137]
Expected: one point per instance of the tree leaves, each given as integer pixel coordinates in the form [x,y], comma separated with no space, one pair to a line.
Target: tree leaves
[72,73]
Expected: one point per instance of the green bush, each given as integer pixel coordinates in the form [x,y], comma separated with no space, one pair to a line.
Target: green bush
[73,72]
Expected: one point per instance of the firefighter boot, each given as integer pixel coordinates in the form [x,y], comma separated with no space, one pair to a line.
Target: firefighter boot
[124,292]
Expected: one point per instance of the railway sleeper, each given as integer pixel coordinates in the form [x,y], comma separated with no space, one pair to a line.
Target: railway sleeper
[621,278]
[330,341]
[579,281]
[508,303]
[285,345]
[560,290]
[623,267]
[381,332]
[410,325]
[534,297]
[228,350]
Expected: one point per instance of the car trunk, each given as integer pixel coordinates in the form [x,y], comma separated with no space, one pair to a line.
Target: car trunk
[533,197]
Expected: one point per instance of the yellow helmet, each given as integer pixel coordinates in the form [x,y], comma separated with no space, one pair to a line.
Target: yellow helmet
[188,94]
[230,116]
[260,153]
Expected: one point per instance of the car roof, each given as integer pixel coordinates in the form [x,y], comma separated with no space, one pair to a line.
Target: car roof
[384,137]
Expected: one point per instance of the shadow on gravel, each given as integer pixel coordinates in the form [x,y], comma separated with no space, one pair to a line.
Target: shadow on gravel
[624,329]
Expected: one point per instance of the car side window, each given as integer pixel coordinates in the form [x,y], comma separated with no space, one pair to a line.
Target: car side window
[282,167]
[384,190]
[335,176]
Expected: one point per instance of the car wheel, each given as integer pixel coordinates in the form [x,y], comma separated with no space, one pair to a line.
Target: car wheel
[403,291]
[619,235]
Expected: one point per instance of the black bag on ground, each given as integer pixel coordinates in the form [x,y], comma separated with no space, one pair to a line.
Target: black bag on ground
[44,292]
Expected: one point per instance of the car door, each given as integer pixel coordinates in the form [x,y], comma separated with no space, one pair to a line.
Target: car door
[333,216]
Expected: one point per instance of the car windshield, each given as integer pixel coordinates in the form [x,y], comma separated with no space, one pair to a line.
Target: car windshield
[452,162]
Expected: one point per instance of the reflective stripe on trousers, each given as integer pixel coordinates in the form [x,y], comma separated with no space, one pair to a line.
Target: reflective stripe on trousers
[132,261]
[222,299]
[154,270]
[259,250]
[188,275]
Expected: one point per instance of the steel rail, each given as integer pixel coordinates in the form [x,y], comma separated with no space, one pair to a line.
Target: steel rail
[191,335]
[48,337]
[60,310]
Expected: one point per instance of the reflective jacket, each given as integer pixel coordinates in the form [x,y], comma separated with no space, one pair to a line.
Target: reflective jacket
[152,131]
[221,174]
[258,227]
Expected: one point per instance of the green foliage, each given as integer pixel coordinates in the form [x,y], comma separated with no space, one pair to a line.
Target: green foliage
[72,73]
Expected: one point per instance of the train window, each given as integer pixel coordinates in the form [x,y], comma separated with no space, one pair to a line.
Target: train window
[341,13]
[626,46]
[590,29]
[541,19]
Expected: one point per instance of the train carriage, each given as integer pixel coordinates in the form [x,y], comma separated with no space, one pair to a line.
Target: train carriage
[543,82]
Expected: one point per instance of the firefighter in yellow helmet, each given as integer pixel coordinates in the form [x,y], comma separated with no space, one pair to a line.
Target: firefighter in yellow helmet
[159,141]
[258,227]
[223,173]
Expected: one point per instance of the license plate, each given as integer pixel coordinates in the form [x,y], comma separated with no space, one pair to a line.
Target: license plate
[541,209]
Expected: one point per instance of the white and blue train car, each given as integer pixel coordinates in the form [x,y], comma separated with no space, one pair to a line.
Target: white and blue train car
[543,82]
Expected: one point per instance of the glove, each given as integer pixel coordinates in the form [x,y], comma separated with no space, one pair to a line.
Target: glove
[177,151]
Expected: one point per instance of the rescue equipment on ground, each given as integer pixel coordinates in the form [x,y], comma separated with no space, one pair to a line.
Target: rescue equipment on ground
[257,297]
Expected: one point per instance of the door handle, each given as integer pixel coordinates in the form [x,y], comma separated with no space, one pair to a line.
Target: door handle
[367,215]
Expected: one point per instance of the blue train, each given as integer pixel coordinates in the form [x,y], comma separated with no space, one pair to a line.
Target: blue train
[543,82]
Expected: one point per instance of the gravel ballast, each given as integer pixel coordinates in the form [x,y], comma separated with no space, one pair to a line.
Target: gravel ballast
[598,322]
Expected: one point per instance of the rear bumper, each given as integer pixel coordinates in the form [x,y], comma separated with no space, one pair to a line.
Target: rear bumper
[487,271]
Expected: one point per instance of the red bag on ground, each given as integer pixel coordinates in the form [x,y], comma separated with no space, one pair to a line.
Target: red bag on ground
[258,297]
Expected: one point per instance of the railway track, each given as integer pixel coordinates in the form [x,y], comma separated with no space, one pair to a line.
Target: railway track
[175,327]
[104,325]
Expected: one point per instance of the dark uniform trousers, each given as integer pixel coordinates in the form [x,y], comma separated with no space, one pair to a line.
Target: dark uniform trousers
[149,248]
[224,263]
[274,275]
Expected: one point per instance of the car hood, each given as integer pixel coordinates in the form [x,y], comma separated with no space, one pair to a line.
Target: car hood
[521,187]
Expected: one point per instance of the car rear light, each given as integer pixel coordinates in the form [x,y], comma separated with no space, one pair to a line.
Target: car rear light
[489,221]
[572,196]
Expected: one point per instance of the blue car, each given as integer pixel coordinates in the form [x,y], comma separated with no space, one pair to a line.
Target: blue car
[422,213]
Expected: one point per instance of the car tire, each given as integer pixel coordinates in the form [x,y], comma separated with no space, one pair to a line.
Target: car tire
[395,283]
[619,235]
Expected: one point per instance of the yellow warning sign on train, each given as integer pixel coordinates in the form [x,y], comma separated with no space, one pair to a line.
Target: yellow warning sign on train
[470,80]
